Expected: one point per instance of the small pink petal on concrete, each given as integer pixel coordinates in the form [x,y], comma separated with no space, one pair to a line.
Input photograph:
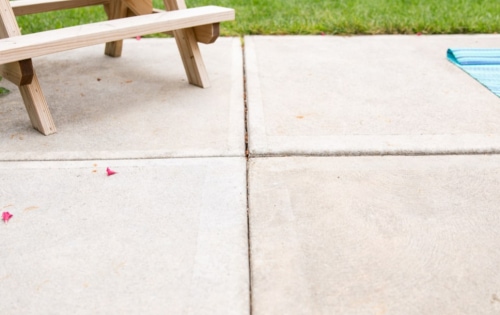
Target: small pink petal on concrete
[110,172]
[6,216]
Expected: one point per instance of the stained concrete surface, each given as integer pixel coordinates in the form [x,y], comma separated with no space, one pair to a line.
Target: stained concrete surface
[136,106]
[375,235]
[168,233]
[394,94]
[160,236]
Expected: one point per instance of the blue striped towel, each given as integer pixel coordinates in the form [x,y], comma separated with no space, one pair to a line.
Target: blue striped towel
[483,64]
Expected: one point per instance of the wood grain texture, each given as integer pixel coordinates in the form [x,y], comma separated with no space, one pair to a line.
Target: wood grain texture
[36,105]
[16,50]
[206,34]
[19,73]
[188,48]
[139,7]
[191,57]
[172,5]
[115,9]
[24,7]
[34,100]
[43,43]
[8,23]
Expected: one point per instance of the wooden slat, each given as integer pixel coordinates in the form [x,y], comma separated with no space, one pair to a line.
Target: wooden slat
[191,57]
[23,7]
[43,43]
[175,4]
[37,107]
[188,48]
[206,34]
[34,100]
[139,7]
[20,73]
[116,9]
[8,22]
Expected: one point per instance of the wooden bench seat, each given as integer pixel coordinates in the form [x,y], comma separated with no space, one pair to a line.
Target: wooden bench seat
[127,18]
[206,34]
[38,44]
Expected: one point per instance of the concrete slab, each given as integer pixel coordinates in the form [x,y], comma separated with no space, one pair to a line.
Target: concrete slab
[159,237]
[136,106]
[329,95]
[375,235]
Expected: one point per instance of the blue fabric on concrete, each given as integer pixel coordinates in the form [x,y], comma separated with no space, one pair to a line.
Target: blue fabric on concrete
[481,64]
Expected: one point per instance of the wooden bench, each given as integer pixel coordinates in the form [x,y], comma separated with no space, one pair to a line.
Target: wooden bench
[127,18]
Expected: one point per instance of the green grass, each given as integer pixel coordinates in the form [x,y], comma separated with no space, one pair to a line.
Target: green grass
[3,91]
[340,17]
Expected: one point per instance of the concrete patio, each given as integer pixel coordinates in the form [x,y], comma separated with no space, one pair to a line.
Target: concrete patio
[369,183]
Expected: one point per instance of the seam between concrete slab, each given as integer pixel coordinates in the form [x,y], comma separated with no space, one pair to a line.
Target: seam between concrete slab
[247,156]
[370,153]
[180,157]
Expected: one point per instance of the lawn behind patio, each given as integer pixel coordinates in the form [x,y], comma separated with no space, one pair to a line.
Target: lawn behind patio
[337,17]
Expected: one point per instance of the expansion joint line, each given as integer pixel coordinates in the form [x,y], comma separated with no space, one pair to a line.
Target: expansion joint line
[247,156]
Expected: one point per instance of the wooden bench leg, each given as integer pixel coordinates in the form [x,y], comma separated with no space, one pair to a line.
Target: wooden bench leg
[25,77]
[116,9]
[189,50]
[37,107]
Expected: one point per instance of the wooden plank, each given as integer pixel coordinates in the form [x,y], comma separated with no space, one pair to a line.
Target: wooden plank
[139,7]
[206,34]
[34,100]
[191,57]
[43,43]
[8,22]
[19,73]
[23,7]
[188,48]
[172,5]
[37,108]
[116,9]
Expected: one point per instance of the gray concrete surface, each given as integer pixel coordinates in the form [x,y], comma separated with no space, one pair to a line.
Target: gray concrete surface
[169,233]
[375,235]
[159,237]
[327,95]
[135,106]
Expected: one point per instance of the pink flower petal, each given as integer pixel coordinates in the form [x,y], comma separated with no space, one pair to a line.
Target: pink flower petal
[6,216]
[138,37]
[110,172]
